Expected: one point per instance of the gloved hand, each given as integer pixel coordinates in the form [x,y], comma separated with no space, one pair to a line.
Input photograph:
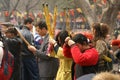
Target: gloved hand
[52,41]
[69,41]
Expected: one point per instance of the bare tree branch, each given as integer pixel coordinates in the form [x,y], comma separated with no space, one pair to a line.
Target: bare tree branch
[37,2]
[110,15]
[14,8]
[4,5]
[27,5]
[86,8]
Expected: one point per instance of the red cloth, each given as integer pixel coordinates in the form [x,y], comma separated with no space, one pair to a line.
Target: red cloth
[10,67]
[88,35]
[87,58]
[115,42]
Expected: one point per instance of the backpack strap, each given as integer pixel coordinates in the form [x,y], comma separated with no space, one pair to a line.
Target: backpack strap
[5,57]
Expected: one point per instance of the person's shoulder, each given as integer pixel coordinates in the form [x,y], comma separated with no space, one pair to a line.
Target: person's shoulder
[106,76]
[101,41]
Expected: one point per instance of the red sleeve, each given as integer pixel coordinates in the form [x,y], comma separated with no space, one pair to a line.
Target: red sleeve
[66,51]
[88,58]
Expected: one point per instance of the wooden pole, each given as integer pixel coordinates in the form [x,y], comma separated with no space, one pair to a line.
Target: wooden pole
[22,37]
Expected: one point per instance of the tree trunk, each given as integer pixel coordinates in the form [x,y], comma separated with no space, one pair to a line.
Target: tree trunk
[110,15]
[86,9]
[7,18]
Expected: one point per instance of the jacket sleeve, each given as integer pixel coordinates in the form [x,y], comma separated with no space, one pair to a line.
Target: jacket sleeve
[42,53]
[66,51]
[88,58]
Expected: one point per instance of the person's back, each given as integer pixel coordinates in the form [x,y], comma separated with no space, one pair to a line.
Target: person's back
[29,62]
[14,46]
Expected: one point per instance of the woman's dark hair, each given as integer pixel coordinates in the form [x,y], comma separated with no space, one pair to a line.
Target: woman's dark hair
[80,38]
[60,38]
[101,30]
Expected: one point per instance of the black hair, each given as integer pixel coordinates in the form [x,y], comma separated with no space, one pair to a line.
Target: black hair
[28,20]
[62,36]
[12,30]
[80,38]
[42,24]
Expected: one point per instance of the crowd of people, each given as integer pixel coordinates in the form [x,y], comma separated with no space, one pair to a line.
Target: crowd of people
[67,56]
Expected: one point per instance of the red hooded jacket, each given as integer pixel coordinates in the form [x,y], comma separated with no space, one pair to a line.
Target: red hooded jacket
[88,58]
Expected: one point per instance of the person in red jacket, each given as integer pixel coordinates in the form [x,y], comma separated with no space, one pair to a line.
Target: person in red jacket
[84,56]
